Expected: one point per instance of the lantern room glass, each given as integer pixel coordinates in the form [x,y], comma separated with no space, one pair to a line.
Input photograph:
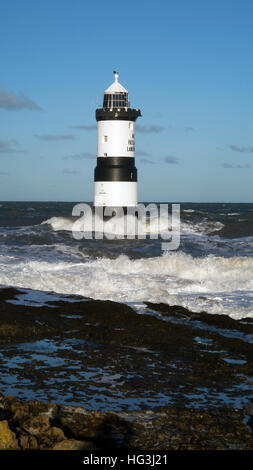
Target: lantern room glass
[115,100]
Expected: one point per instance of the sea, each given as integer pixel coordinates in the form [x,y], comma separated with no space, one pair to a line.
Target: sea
[211,271]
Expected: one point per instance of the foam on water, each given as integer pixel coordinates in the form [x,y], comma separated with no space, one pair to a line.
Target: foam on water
[214,284]
[209,271]
[59,223]
[154,225]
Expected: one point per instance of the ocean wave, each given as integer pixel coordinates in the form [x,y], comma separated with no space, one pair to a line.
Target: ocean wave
[154,225]
[59,223]
[214,284]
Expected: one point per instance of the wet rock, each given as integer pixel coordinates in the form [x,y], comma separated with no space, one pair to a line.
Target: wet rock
[51,438]
[170,428]
[108,352]
[8,439]
[71,444]
[103,429]
[8,293]
[250,422]
[36,425]
[28,442]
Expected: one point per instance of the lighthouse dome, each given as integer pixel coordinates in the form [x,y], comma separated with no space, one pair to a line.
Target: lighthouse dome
[116,96]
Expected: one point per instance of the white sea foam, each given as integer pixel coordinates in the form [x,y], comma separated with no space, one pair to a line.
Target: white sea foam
[59,223]
[68,224]
[214,284]
[154,225]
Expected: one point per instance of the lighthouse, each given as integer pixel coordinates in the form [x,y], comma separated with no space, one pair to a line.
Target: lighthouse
[115,177]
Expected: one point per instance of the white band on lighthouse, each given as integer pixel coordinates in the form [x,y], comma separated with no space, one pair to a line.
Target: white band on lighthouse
[116,139]
[115,193]
[115,174]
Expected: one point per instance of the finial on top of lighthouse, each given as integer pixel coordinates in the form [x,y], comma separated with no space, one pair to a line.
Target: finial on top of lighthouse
[116,87]
[116,76]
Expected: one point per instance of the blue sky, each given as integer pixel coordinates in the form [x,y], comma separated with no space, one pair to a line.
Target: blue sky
[187,64]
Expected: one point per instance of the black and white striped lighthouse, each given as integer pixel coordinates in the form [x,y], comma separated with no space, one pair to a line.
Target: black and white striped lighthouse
[115,175]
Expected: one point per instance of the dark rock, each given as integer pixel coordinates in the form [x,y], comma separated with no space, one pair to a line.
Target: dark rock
[51,437]
[72,444]
[36,425]
[171,428]
[28,442]
[7,293]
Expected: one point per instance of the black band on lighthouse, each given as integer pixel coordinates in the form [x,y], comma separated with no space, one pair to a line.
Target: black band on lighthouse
[125,162]
[115,169]
[121,114]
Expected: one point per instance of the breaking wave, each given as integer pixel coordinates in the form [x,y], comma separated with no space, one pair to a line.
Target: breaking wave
[214,284]
[153,225]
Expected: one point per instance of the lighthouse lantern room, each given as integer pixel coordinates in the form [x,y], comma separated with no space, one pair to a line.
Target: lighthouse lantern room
[115,174]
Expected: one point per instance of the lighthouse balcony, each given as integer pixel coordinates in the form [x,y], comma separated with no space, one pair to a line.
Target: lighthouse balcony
[110,114]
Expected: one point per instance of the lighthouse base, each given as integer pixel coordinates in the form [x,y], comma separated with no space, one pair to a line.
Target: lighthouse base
[115,194]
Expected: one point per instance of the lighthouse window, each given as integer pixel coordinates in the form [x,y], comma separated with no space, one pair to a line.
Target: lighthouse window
[124,99]
[117,100]
[107,101]
[120,100]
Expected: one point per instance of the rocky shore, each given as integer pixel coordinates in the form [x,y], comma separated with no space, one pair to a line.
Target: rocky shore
[35,425]
[164,378]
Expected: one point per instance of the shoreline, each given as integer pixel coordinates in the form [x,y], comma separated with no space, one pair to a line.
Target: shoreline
[35,425]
